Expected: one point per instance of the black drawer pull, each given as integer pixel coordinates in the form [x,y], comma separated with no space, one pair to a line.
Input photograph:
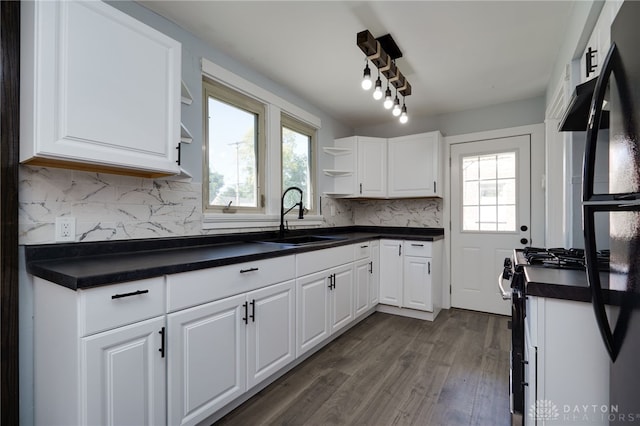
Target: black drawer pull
[364,246]
[417,245]
[244,271]
[133,293]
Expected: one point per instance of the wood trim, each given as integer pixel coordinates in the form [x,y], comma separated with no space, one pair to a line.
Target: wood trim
[9,160]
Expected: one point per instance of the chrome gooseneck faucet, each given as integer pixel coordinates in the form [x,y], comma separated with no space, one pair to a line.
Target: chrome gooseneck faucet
[283,212]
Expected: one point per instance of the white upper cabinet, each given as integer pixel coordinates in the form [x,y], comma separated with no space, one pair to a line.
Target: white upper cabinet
[360,167]
[402,167]
[372,167]
[414,166]
[100,91]
[599,42]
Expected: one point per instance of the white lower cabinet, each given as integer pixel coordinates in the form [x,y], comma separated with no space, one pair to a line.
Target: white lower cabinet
[125,375]
[207,359]
[325,305]
[221,349]
[567,366]
[366,284]
[271,331]
[417,283]
[99,354]
[410,276]
[391,272]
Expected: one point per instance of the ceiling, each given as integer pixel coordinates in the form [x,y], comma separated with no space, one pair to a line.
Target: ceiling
[457,55]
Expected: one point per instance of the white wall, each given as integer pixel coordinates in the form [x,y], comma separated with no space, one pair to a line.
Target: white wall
[493,117]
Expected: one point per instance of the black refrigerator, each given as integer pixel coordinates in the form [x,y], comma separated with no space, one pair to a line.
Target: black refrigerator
[616,293]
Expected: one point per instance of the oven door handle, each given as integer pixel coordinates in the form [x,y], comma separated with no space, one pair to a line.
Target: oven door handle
[505,295]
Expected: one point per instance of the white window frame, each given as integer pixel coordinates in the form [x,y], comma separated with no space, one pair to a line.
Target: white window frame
[274,107]
[302,128]
[232,97]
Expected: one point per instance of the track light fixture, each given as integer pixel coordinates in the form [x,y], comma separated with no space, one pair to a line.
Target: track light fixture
[396,106]
[382,52]
[366,77]
[377,92]
[403,115]
[388,102]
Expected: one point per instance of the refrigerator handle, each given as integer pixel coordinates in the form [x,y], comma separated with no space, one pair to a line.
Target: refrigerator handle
[593,126]
[593,279]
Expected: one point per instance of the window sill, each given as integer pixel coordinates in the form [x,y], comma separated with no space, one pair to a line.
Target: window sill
[234,220]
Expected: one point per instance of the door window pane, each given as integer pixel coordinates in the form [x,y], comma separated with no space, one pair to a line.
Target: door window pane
[489,192]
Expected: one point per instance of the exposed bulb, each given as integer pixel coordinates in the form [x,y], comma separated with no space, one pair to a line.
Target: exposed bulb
[396,107]
[377,93]
[403,115]
[388,102]
[366,78]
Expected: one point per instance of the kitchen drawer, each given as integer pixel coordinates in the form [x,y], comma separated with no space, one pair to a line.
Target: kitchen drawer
[363,250]
[319,260]
[111,306]
[417,248]
[205,285]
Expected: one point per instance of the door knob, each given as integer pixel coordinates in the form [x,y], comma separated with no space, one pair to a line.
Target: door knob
[523,241]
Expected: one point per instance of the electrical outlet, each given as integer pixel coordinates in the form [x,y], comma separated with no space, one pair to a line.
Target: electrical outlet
[65,229]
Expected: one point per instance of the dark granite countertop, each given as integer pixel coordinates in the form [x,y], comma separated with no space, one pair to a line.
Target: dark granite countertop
[567,284]
[84,265]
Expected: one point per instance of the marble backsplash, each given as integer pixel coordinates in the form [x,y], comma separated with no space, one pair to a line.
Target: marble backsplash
[111,207]
[419,213]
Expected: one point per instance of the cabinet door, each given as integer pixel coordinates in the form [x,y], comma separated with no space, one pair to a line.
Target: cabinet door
[207,359]
[374,270]
[417,283]
[362,286]
[312,310]
[341,296]
[125,375]
[270,335]
[101,90]
[390,272]
[414,165]
[372,167]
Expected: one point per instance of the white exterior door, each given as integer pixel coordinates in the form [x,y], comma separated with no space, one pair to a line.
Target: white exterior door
[490,216]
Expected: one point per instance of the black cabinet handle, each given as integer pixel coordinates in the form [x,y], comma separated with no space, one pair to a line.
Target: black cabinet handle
[161,332]
[179,154]
[133,293]
[245,318]
[417,245]
[360,188]
[253,311]
[434,187]
[400,250]
[429,267]
[525,383]
[364,246]
[371,267]
[244,271]
[330,282]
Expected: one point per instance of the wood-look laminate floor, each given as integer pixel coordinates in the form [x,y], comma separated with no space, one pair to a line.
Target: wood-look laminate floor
[391,370]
